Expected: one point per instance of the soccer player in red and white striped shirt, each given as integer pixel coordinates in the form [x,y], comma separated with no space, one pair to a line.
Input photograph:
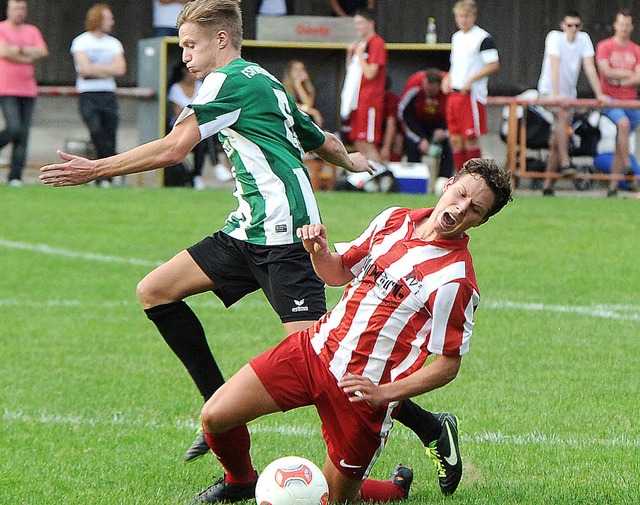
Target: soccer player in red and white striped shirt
[412,292]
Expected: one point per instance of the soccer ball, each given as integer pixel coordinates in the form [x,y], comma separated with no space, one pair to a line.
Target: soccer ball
[292,481]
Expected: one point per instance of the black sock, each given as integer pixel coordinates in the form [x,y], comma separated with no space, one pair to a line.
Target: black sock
[181,329]
[421,422]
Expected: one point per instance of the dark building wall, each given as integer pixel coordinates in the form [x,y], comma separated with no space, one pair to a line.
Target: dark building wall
[518,26]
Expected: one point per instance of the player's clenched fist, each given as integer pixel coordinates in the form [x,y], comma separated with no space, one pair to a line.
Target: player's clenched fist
[314,238]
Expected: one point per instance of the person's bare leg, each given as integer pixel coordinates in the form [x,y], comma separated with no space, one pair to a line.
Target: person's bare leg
[173,281]
[562,136]
[621,158]
[341,488]
[552,161]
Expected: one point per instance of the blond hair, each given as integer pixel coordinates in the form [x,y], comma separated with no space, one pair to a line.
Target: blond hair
[468,6]
[213,16]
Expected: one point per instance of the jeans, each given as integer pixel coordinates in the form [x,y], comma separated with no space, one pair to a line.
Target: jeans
[99,111]
[18,111]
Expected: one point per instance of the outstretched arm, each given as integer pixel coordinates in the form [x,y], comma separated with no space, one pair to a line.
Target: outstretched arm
[328,265]
[164,152]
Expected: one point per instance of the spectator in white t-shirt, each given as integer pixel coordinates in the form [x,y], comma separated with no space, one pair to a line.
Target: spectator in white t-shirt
[165,15]
[565,52]
[99,58]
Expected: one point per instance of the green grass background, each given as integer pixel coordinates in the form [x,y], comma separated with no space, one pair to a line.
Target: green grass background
[96,409]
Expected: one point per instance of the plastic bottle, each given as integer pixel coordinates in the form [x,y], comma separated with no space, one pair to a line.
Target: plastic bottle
[435,150]
[432,36]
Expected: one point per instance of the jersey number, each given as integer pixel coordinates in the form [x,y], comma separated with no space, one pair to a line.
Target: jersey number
[283,103]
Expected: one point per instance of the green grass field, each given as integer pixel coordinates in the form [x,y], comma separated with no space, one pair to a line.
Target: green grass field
[97,410]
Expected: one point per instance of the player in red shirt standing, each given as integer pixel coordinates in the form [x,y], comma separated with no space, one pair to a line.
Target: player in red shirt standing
[370,53]
[412,292]
[618,60]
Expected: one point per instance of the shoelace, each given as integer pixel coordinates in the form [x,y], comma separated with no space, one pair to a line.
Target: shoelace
[434,455]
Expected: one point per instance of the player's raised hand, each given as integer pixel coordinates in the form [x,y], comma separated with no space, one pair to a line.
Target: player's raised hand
[76,170]
[314,238]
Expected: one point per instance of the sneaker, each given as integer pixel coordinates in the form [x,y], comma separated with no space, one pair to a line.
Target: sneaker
[221,492]
[612,193]
[445,453]
[198,448]
[15,183]
[631,179]
[548,192]
[402,477]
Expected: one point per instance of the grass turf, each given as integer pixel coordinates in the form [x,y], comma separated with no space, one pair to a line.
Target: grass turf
[96,409]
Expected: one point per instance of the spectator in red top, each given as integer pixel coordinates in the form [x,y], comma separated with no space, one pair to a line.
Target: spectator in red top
[618,60]
[367,55]
[422,114]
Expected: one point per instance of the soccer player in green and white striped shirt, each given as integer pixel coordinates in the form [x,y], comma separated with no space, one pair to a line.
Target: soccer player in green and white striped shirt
[265,135]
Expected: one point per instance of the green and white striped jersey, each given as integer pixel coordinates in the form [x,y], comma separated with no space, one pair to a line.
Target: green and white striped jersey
[265,135]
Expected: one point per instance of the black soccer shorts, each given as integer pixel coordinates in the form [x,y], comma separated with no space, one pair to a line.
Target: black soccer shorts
[283,272]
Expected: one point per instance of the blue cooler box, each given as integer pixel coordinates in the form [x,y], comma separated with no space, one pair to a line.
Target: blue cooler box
[412,177]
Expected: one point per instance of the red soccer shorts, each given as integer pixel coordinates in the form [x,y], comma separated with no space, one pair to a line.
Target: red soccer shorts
[366,123]
[295,376]
[466,117]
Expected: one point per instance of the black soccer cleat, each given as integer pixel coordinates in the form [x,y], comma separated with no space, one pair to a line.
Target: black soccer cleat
[445,453]
[198,448]
[221,492]
[402,477]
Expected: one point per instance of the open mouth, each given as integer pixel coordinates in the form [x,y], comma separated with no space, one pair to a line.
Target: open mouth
[448,219]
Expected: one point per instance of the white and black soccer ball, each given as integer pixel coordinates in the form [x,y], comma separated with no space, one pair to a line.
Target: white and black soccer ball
[292,481]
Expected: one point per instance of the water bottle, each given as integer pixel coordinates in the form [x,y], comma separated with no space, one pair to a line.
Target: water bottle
[435,150]
[432,36]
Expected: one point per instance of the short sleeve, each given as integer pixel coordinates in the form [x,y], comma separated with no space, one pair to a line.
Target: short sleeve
[452,307]
[587,46]
[552,44]
[488,50]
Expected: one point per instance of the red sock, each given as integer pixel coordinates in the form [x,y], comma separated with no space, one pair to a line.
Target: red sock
[232,450]
[380,491]
[473,152]
[459,157]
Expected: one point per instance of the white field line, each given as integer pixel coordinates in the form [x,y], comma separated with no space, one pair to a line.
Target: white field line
[602,311]
[66,253]
[307,430]
[617,312]
[598,311]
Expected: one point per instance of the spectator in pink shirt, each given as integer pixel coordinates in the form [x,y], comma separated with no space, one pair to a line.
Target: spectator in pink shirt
[618,60]
[20,45]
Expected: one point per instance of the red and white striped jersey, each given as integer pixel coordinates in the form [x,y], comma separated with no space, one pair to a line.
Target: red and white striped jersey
[409,298]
